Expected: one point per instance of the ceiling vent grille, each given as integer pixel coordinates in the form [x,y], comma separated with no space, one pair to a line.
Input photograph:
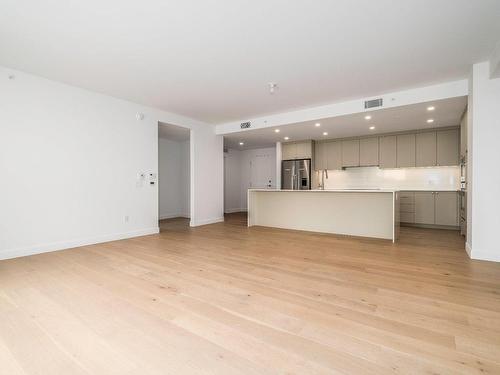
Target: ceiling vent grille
[373,103]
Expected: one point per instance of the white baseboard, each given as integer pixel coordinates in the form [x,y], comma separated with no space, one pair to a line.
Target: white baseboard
[232,210]
[206,221]
[172,216]
[481,255]
[55,246]
[468,249]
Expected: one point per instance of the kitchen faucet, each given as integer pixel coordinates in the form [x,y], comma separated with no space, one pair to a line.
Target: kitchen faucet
[323,173]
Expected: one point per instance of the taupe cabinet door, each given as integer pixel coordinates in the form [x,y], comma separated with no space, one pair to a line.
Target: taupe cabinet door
[388,153]
[288,151]
[296,150]
[368,152]
[319,156]
[446,209]
[350,153]
[405,150]
[333,155]
[424,207]
[425,146]
[448,147]
[304,150]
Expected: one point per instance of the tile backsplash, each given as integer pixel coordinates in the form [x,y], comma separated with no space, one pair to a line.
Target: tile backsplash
[401,178]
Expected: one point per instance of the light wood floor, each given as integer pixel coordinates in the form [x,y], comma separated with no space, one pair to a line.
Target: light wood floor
[226,299]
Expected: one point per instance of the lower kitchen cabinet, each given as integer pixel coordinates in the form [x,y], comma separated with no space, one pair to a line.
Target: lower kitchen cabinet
[446,208]
[424,207]
[439,208]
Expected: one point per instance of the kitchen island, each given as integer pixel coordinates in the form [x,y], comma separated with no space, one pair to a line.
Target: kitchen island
[363,213]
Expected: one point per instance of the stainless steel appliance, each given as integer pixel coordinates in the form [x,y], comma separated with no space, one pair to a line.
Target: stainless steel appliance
[463,196]
[296,174]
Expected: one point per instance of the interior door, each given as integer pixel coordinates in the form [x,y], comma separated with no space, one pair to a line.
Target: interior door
[260,172]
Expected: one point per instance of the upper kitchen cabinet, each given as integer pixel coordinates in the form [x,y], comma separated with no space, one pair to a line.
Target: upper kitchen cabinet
[288,150]
[333,155]
[425,146]
[296,150]
[405,150]
[350,153]
[448,147]
[463,135]
[320,156]
[387,151]
[368,152]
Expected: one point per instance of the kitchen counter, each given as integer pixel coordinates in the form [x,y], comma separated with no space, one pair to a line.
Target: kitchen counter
[454,190]
[355,212]
[332,190]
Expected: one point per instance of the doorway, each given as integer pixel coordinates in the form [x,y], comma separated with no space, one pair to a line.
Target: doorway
[247,169]
[174,180]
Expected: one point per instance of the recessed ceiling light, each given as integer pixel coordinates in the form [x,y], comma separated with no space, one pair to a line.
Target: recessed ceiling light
[276,130]
[431,120]
[372,127]
[368,117]
[431,108]
[325,133]
[287,138]
[241,143]
[317,124]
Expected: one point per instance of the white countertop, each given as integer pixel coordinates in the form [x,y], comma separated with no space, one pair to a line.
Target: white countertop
[384,190]
[405,189]
[330,190]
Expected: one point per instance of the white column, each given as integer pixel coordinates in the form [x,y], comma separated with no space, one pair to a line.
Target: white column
[483,161]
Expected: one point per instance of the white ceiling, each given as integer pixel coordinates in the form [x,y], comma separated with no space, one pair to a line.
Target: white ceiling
[212,59]
[173,132]
[447,112]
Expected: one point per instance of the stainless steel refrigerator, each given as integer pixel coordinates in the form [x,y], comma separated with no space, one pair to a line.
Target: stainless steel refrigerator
[296,174]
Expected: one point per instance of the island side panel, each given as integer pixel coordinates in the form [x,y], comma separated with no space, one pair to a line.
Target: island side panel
[397,219]
[363,214]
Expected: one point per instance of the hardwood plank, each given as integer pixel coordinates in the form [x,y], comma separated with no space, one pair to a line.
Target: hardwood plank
[227,299]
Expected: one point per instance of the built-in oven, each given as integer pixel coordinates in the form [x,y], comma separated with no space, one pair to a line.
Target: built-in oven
[463,212]
[463,195]
[463,173]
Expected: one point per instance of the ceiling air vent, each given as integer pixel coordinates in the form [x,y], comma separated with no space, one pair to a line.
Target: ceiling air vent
[373,103]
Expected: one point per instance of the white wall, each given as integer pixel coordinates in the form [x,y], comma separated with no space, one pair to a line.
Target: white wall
[69,160]
[232,181]
[484,173]
[401,178]
[185,179]
[173,178]
[238,175]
